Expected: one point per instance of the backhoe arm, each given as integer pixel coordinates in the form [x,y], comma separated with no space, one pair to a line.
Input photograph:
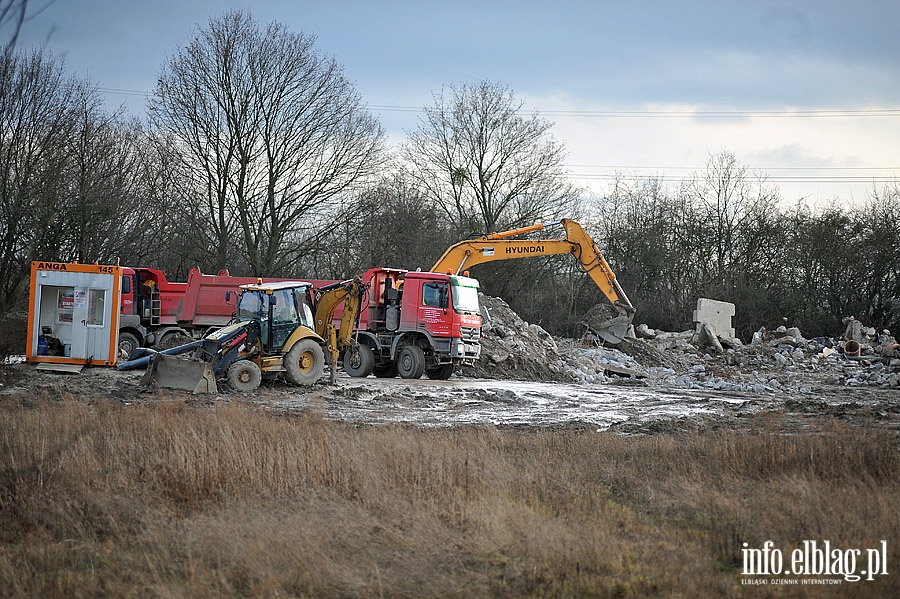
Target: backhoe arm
[327,299]
[498,246]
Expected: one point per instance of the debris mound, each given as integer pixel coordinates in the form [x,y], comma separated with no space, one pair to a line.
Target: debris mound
[512,348]
[774,362]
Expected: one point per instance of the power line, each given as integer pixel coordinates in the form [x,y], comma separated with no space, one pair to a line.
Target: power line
[725,114]
[123,92]
[829,113]
[782,174]
[823,179]
[771,168]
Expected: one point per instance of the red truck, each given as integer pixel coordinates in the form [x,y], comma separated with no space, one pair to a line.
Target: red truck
[414,323]
[154,309]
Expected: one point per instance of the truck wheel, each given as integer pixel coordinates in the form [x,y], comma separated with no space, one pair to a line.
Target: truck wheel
[173,339]
[128,343]
[244,375]
[359,363]
[441,373]
[385,372]
[304,363]
[411,362]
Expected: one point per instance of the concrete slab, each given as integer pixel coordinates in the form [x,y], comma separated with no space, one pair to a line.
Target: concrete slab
[63,368]
[716,314]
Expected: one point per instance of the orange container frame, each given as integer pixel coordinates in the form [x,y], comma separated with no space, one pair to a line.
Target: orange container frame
[73,313]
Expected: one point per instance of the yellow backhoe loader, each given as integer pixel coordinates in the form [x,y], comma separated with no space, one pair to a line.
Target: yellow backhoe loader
[276,333]
[499,246]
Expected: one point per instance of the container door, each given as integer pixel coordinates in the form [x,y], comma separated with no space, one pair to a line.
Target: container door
[91,314]
[77,346]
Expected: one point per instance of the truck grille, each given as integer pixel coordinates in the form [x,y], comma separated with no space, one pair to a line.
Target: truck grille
[470,333]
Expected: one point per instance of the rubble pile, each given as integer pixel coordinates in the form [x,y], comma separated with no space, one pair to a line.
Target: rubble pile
[782,360]
[776,361]
[587,363]
[513,348]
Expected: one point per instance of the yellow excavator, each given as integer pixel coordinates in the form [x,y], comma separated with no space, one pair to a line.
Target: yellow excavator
[498,246]
[276,333]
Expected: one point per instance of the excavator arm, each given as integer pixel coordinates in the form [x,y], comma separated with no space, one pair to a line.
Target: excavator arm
[327,299]
[499,246]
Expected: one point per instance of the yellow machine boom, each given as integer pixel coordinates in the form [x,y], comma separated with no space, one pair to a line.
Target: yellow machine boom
[327,300]
[499,246]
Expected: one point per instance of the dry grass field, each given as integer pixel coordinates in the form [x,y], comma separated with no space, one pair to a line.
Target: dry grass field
[171,499]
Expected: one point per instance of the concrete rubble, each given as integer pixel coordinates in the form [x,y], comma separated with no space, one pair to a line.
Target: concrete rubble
[781,360]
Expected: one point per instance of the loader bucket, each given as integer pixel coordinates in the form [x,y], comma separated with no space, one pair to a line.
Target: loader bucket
[180,373]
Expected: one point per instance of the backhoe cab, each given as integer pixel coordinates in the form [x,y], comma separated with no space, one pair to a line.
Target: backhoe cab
[276,333]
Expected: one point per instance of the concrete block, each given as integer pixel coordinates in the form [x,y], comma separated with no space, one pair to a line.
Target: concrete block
[716,314]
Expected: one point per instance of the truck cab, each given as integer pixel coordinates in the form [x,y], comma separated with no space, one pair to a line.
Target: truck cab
[415,323]
[444,308]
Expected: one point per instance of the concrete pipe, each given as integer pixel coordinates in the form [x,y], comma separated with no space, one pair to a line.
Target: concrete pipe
[851,348]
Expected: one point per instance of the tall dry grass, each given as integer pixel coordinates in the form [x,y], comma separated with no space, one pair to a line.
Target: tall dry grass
[176,500]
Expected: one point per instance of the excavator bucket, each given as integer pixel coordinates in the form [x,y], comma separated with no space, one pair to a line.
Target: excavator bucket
[175,372]
[607,323]
[612,331]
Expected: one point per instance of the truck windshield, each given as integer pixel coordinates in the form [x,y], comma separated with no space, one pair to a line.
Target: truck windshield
[253,306]
[465,297]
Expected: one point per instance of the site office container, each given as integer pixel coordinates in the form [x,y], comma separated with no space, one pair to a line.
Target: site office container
[72,313]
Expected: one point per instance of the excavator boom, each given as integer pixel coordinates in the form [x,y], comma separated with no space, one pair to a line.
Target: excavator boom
[499,246]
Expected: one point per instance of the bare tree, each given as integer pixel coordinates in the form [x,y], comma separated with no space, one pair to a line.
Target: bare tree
[36,130]
[12,14]
[487,166]
[273,133]
[734,208]
[70,185]
[396,227]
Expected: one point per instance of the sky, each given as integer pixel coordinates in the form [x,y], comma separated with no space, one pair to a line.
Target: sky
[803,93]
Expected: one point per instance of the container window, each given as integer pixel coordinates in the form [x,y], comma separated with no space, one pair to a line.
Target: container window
[96,307]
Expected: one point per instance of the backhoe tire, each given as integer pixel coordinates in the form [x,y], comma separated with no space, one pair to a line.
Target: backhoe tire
[128,343]
[440,373]
[304,363]
[244,375]
[385,372]
[411,362]
[360,363]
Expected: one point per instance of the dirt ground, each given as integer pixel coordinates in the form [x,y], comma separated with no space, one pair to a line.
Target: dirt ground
[653,382]
[658,399]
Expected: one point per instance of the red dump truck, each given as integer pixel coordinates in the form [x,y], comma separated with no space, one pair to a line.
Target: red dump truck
[414,323]
[154,308]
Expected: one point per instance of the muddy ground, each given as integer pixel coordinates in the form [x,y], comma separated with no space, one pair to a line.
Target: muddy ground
[652,382]
[661,399]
